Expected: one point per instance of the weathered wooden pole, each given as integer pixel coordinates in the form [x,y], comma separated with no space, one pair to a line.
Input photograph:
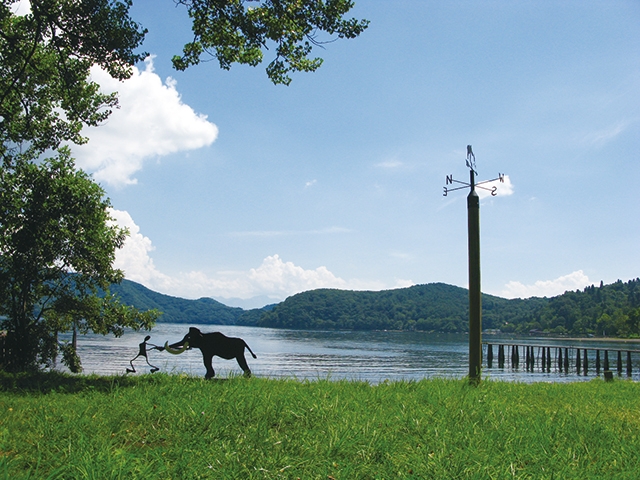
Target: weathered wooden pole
[619,363]
[586,362]
[489,355]
[560,359]
[475,296]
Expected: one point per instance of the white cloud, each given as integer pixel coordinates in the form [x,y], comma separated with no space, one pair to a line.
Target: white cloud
[502,187]
[546,288]
[274,278]
[393,163]
[151,121]
[604,136]
[21,8]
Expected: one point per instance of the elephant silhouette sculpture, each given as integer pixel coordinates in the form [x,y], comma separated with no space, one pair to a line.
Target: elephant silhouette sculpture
[213,344]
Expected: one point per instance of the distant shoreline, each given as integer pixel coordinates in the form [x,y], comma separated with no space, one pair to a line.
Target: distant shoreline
[573,339]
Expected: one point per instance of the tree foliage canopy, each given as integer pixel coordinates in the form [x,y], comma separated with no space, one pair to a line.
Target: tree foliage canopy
[237,31]
[57,242]
[46,95]
[57,246]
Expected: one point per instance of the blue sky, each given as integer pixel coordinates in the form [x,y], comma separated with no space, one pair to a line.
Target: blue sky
[234,188]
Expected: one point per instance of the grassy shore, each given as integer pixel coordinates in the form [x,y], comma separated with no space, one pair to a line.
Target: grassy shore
[175,427]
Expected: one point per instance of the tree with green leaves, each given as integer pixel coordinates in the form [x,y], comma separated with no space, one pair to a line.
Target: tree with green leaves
[57,241]
[57,246]
[235,31]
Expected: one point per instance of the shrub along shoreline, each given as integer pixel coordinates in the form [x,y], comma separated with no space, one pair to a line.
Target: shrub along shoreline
[174,426]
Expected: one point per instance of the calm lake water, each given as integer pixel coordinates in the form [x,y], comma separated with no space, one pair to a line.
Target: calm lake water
[370,356]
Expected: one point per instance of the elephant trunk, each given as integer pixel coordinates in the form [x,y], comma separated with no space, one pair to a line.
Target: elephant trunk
[175,351]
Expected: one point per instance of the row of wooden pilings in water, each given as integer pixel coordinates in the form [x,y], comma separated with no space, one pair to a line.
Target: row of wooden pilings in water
[562,358]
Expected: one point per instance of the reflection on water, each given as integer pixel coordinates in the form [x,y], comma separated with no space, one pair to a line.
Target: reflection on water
[370,356]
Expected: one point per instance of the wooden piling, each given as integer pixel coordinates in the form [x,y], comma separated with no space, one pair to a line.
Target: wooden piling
[629,364]
[489,355]
[619,363]
[549,359]
[501,356]
[578,366]
[544,359]
[606,360]
[560,359]
[586,362]
[566,360]
[597,362]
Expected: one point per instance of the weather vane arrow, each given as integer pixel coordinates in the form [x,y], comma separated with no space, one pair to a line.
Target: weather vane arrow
[475,295]
[471,163]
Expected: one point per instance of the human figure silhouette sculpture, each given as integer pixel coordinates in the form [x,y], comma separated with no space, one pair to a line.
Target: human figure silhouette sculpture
[143,353]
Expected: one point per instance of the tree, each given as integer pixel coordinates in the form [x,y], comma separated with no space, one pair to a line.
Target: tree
[232,32]
[57,246]
[46,95]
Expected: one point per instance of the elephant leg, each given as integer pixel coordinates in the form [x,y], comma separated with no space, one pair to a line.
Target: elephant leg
[206,358]
[243,364]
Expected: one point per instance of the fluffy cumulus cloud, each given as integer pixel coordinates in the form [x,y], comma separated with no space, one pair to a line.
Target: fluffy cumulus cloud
[503,187]
[152,121]
[274,278]
[546,288]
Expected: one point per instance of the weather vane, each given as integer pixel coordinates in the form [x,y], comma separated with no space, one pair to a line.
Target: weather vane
[475,295]
[471,163]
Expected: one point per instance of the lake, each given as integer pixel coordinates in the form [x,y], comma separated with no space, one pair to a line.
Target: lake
[356,355]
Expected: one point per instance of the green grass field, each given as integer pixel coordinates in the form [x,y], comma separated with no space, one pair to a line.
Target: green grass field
[174,427]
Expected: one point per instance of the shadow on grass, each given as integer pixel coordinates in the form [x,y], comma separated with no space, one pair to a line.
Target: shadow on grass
[47,382]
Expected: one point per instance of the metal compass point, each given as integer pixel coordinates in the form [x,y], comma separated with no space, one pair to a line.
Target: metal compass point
[471,163]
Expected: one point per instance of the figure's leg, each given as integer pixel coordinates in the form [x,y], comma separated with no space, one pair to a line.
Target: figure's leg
[153,367]
[206,358]
[243,364]
[132,369]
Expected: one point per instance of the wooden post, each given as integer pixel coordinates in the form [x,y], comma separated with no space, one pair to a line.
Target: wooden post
[475,296]
[501,356]
[586,362]
[606,360]
[560,359]
[619,364]
[578,366]
[549,359]
[597,362]
[489,355]
[566,360]
[533,359]
[544,358]
[628,364]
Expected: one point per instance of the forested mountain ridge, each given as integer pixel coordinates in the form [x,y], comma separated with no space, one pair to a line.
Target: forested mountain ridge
[432,307]
[612,310]
[180,310]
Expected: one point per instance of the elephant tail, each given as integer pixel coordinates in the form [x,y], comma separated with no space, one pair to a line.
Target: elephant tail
[247,347]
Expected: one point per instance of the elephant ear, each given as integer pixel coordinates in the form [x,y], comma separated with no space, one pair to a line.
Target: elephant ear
[176,351]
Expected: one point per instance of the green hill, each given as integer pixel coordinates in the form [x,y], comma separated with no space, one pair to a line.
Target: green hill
[436,306]
[612,310]
[180,310]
